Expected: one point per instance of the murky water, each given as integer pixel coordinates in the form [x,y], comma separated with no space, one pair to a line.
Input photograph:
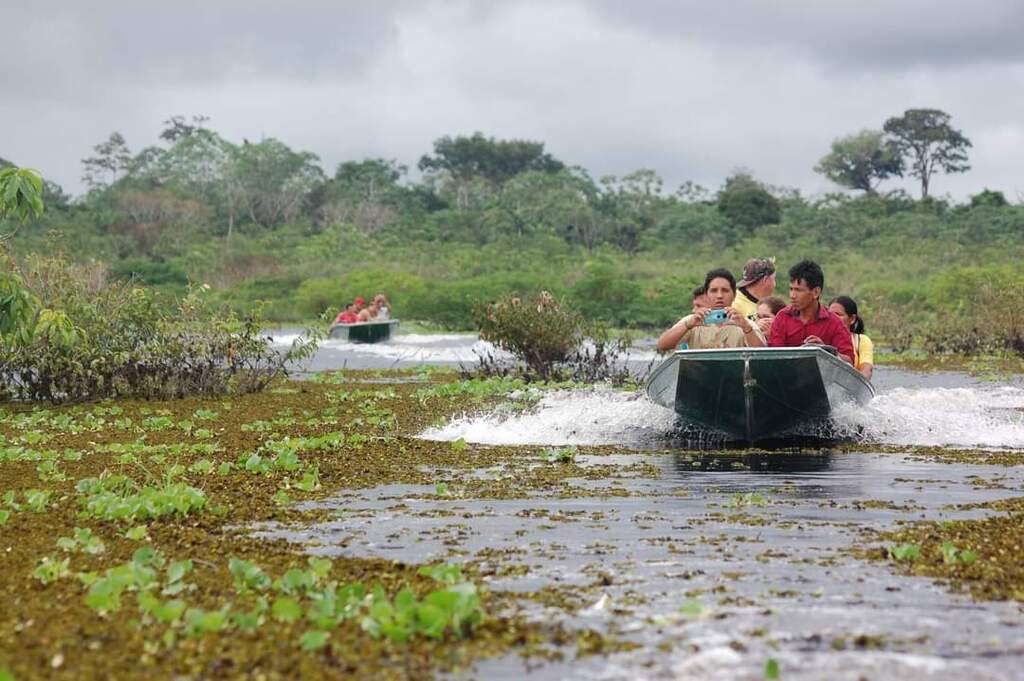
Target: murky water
[759,545]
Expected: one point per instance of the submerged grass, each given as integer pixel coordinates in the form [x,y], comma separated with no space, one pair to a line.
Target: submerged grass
[982,557]
[125,552]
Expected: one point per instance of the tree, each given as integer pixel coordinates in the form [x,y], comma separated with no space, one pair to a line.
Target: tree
[550,202]
[371,180]
[746,203]
[176,127]
[629,203]
[112,157]
[271,180]
[989,197]
[365,193]
[21,196]
[930,142]
[494,160]
[21,193]
[861,161]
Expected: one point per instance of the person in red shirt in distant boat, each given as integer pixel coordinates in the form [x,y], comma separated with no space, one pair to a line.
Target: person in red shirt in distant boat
[805,321]
[348,315]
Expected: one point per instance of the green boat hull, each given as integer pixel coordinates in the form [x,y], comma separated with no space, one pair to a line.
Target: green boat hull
[756,393]
[364,332]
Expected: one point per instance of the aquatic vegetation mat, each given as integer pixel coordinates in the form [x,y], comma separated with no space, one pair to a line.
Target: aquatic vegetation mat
[309,532]
[125,551]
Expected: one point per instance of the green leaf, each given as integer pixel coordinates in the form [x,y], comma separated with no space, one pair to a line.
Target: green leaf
[692,609]
[314,640]
[178,569]
[907,552]
[295,580]
[321,567]
[137,533]
[286,609]
[771,669]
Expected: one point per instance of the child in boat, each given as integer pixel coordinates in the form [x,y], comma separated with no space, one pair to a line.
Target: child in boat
[766,311]
[845,308]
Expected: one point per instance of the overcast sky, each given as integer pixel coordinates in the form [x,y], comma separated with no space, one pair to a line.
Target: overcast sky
[693,90]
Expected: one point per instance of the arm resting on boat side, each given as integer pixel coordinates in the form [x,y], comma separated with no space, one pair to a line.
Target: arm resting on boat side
[671,338]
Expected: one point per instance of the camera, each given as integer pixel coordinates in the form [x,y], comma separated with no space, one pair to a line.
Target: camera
[716,317]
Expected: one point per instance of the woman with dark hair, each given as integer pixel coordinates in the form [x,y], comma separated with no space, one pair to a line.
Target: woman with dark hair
[766,311]
[845,308]
[714,323]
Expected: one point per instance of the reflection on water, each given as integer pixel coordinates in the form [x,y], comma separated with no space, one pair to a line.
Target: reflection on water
[791,460]
[770,572]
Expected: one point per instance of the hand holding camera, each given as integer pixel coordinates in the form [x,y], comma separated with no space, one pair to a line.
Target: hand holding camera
[719,316]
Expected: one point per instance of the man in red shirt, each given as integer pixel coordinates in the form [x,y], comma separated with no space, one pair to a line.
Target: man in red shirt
[348,315]
[805,320]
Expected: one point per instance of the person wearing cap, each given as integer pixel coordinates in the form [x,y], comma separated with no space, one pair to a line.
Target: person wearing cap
[758,282]
[805,321]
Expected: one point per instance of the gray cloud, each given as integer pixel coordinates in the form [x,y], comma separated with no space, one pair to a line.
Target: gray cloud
[81,46]
[865,35]
[691,90]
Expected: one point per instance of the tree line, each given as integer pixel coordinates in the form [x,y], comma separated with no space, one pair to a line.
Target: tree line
[473,188]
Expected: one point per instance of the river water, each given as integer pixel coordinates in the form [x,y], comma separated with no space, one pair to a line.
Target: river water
[757,544]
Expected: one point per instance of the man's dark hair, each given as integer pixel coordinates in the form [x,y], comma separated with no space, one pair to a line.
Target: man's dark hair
[699,291]
[719,273]
[808,271]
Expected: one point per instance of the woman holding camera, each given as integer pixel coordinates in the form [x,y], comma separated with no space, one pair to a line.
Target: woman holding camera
[845,308]
[715,324]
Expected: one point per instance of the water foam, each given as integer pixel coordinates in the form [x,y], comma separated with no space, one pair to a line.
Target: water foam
[412,347]
[964,417]
[599,416]
[429,348]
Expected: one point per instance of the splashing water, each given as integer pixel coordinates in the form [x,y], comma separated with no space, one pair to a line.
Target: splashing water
[966,417]
[411,347]
[421,348]
[599,416]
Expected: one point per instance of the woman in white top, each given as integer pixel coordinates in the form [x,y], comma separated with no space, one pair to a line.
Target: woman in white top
[383,306]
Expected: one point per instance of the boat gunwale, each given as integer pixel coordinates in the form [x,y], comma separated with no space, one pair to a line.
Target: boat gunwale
[739,354]
[371,323]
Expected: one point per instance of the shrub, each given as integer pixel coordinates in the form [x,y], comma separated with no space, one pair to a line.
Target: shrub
[550,338]
[90,340]
[973,317]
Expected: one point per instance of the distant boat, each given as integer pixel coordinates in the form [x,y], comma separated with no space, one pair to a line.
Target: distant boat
[364,332]
[756,393]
